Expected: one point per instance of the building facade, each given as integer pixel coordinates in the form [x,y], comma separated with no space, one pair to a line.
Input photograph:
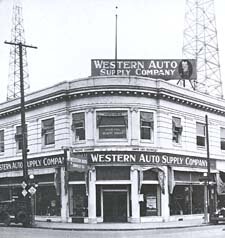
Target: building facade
[115,149]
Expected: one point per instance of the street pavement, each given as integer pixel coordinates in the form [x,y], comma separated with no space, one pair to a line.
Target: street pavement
[217,231]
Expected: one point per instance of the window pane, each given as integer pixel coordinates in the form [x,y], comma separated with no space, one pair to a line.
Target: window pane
[150,205]
[200,141]
[222,145]
[146,116]
[78,117]
[48,131]
[49,123]
[200,129]
[112,124]
[146,122]
[78,126]
[187,199]
[222,133]
[112,121]
[145,133]
[80,134]
[80,201]
[176,121]
[49,139]
[47,202]
[1,140]
[112,132]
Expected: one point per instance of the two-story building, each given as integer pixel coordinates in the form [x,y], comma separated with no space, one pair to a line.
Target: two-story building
[116,148]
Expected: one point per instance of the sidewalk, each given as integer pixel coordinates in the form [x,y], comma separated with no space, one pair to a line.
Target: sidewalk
[120,226]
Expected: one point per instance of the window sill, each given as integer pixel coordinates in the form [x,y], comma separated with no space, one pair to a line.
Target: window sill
[201,147]
[177,144]
[146,141]
[111,140]
[79,142]
[48,146]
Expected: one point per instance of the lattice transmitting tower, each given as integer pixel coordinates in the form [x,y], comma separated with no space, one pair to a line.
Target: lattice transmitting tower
[17,36]
[200,43]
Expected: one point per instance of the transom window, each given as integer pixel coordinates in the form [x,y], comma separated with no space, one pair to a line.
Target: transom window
[112,124]
[146,123]
[78,126]
[176,130]
[200,134]
[2,148]
[48,131]
[222,138]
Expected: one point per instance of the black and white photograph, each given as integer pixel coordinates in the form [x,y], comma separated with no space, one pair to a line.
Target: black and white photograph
[112,118]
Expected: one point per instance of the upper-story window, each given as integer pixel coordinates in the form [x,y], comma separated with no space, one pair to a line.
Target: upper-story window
[200,134]
[18,138]
[112,124]
[147,124]
[2,147]
[78,126]
[176,130]
[48,131]
[222,138]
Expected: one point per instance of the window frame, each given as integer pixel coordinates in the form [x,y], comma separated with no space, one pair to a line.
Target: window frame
[200,136]
[121,113]
[74,128]
[222,139]
[45,132]
[18,138]
[2,141]
[177,130]
[150,127]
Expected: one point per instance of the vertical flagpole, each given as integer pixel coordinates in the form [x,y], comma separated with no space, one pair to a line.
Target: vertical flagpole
[116,44]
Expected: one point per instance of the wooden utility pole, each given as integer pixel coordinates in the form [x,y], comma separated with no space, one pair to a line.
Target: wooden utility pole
[22,101]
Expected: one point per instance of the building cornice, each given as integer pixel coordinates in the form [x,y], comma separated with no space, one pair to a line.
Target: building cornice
[135,87]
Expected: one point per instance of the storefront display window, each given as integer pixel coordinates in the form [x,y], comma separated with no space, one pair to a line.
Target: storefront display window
[151,204]
[47,202]
[80,201]
[187,199]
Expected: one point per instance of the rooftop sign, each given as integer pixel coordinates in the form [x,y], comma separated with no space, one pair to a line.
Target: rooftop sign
[167,69]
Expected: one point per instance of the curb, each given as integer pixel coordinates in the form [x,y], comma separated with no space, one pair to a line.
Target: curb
[120,229]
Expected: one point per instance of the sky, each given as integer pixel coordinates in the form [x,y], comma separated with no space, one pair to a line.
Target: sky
[69,33]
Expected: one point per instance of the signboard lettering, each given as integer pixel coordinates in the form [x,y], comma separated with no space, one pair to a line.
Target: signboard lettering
[48,161]
[147,158]
[167,69]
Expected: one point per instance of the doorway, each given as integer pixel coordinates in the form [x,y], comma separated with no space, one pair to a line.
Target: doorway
[115,206]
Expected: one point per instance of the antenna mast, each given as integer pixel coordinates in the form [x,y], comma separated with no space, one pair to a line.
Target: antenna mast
[17,36]
[200,43]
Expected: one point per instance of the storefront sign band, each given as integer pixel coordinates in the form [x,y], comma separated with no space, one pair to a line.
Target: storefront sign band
[34,163]
[116,157]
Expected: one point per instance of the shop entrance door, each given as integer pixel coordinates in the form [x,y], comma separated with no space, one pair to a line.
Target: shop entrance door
[115,206]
